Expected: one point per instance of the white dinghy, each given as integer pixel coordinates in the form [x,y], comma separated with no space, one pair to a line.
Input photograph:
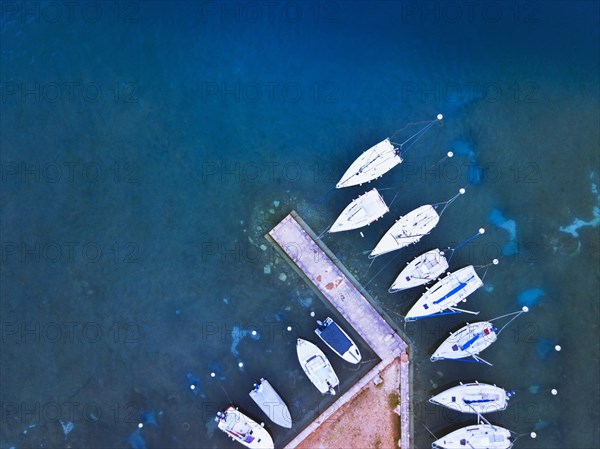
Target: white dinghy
[480,436]
[477,398]
[317,367]
[378,160]
[446,294]
[423,269]
[467,342]
[363,211]
[338,340]
[271,403]
[407,230]
[244,430]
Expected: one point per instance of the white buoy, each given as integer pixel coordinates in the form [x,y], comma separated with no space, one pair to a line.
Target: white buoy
[450,154]
[440,116]
[557,348]
[495,261]
[140,425]
[525,309]
[289,328]
[312,313]
[554,392]
[481,231]
[254,332]
[462,191]
[192,387]
[241,364]
[533,434]
[212,374]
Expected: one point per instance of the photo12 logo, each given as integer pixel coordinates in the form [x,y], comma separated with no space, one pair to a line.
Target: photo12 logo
[467,91]
[68,252]
[236,92]
[69,12]
[67,92]
[235,12]
[68,172]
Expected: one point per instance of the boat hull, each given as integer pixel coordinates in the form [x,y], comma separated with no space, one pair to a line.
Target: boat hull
[474,398]
[407,230]
[271,404]
[316,367]
[244,430]
[423,269]
[467,342]
[372,164]
[481,436]
[363,211]
[446,293]
[338,341]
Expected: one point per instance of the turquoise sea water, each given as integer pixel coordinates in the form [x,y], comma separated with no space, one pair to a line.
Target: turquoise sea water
[146,147]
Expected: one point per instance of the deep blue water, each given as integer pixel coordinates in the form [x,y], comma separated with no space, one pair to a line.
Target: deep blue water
[143,145]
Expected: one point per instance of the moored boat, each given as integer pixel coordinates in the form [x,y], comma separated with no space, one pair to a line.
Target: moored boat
[317,367]
[338,340]
[474,397]
[469,341]
[480,436]
[407,230]
[363,211]
[271,403]
[372,164]
[423,269]
[242,429]
[446,294]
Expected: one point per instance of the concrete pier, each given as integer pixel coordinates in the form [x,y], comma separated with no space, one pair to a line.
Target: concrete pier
[319,267]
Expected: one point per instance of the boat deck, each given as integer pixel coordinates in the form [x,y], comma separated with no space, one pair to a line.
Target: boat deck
[319,267]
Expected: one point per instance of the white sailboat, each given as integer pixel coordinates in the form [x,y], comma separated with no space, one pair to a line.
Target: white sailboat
[475,397]
[271,403]
[363,211]
[480,436]
[317,367]
[378,160]
[469,341]
[338,340]
[446,294]
[423,269]
[408,229]
[372,164]
[244,430]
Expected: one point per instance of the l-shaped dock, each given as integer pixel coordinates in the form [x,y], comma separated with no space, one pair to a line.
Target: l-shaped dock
[322,271]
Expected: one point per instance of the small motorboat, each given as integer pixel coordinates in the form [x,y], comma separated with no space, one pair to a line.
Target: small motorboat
[407,230]
[446,294]
[469,341]
[317,367]
[338,340]
[480,436]
[423,269]
[242,429]
[271,403]
[363,211]
[475,397]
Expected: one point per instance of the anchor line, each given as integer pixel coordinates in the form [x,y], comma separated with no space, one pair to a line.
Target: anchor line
[449,202]
[460,245]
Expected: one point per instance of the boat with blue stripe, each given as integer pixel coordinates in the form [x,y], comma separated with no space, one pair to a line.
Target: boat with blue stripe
[474,398]
[446,294]
[467,342]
